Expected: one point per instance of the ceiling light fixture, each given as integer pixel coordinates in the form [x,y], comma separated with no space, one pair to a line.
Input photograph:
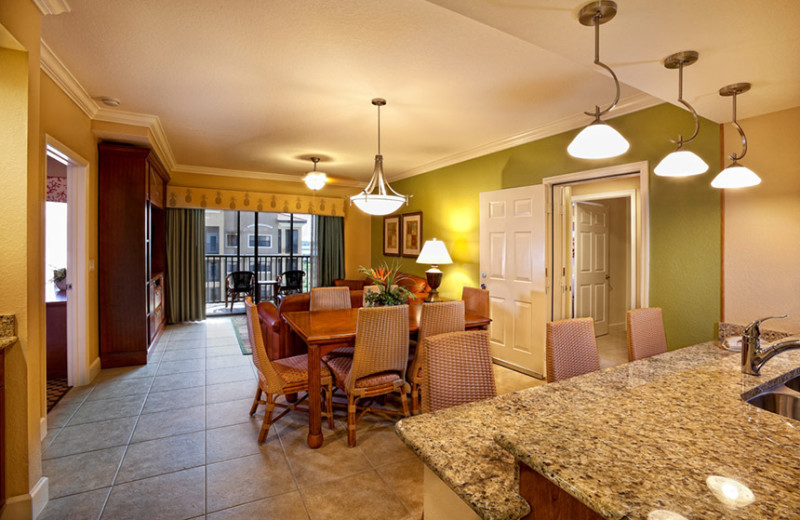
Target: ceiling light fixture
[378,198]
[736,175]
[682,163]
[599,140]
[315,180]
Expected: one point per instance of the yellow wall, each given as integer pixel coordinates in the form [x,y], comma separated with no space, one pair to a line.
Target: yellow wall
[357,245]
[762,224]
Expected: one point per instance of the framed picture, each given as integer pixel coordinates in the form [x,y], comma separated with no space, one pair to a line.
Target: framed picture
[391,235]
[412,234]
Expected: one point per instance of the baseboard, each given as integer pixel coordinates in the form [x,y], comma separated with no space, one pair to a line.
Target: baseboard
[28,506]
[517,368]
[43,428]
[620,324]
[94,369]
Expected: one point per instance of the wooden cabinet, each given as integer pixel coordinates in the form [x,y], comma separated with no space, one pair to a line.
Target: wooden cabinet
[131,252]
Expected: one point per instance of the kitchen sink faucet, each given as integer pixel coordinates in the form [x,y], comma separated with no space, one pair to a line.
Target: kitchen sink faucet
[754,355]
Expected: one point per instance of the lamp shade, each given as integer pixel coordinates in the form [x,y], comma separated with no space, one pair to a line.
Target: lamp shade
[598,141]
[681,163]
[315,180]
[434,252]
[377,204]
[736,176]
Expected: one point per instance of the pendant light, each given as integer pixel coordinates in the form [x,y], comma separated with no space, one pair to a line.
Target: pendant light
[682,163]
[599,140]
[736,175]
[378,198]
[315,180]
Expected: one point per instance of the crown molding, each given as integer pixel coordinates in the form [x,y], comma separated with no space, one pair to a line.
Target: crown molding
[264,176]
[52,6]
[158,138]
[60,74]
[628,105]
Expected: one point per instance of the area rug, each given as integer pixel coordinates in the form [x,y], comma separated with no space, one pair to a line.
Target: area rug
[240,328]
[56,389]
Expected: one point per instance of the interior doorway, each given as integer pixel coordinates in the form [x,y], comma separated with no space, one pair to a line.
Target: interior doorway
[598,250]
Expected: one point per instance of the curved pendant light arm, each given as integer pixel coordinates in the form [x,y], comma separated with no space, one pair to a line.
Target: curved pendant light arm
[733,156]
[681,141]
[598,112]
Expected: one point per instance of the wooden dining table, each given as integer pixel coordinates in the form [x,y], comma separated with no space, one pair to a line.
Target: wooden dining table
[324,331]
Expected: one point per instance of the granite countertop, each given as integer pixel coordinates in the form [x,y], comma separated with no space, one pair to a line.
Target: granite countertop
[7,337]
[625,441]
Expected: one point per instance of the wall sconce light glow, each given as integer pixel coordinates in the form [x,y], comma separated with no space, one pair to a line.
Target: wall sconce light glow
[730,492]
[598,141]
[681,163]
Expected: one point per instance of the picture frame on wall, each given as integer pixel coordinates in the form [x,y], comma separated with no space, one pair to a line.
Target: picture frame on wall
[411,234]
[391,235]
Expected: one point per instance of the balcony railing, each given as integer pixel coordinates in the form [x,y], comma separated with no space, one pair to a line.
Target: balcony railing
[266,267]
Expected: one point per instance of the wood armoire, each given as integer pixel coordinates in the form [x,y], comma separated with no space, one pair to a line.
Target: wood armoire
[131,256]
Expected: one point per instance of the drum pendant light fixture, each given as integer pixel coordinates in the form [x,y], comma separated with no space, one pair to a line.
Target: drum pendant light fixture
[682,163]
[315,180]
[378,198]
[736,175]
[599,140]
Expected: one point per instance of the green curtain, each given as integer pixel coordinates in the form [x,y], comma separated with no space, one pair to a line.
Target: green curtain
[186,277]
[330,249]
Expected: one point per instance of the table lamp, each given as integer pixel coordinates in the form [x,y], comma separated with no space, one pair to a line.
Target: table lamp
[435,254]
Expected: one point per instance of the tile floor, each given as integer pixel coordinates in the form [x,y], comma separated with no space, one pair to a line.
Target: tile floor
[173,440]
[613,347]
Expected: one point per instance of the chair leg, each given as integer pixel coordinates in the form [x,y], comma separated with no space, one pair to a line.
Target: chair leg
[404,400]
[415,399]
[329,404]
[262,436]
[255,401]
[351,420]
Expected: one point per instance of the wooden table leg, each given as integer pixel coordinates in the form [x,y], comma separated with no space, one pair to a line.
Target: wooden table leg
[314,411]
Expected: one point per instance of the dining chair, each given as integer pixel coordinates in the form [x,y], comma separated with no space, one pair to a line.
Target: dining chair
[378,365]
[239,283]
[457,369]
[570,348]
[476,300]
[329,298]
[281,377]
[290,282]
[435,318]
[645,333]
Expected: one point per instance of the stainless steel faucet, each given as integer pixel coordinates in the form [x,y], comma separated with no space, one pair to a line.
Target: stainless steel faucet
[754,355]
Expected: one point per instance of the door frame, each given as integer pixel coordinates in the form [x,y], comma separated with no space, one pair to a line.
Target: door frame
[640,236]
[79,372]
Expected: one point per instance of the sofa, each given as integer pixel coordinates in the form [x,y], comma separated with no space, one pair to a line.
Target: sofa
[416,285]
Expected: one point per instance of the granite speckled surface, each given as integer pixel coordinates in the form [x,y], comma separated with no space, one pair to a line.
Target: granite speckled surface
[626,440]
[7,331]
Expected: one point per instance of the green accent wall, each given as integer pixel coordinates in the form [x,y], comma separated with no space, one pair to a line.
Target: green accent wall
[685,238]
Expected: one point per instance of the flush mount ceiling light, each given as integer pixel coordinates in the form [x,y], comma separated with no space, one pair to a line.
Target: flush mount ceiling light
[378,198]
[736,175]
[598,140]
[315,180]
[682,163]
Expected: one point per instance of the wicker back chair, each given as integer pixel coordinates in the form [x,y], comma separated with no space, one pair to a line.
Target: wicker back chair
[457,369]
[435,318]
[280,377]
[476,300]
[571,349]
[329,298]
[239,283]
[645,333]
[378,365]
[290,282]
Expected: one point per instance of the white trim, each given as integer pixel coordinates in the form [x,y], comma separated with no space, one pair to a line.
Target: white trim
[40,495]
[266,176]
[77,264]
[58,72]
[628,105]
[52,6]
[28,505]
[94,369]
[42,428]
[641,214]
[157,137]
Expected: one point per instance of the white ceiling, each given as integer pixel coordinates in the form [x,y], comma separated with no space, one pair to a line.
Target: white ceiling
[258,86]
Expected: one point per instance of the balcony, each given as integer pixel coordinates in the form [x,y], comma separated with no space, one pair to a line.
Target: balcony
[266,267]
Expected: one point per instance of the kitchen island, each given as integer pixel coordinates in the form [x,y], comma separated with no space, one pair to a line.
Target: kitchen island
[627,442]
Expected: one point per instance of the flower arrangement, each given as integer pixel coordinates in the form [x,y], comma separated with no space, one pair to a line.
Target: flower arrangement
[389,293]
[60,278]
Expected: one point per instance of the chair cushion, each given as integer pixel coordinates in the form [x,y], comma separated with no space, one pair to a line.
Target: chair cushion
[341,351]
[340,366]
[295,369]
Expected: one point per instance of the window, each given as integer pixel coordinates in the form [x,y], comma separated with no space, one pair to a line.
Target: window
[231,239]
[263,240]
[212,240]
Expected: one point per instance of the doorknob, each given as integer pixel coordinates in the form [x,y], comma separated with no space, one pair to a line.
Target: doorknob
[608,277]
[483,286]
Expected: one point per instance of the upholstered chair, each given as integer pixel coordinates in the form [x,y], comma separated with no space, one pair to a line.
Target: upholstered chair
[281,377]
[435,318]
[457,369]
[476,300]
[645,333]
[571,349]
[378,365]
[329,298]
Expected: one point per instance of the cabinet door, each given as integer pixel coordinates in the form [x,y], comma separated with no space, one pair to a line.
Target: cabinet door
[156,187]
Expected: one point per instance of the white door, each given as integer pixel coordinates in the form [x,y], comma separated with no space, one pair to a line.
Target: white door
[513,270]
[591,264]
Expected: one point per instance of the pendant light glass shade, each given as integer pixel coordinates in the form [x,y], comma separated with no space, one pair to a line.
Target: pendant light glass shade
[315,180]
[736,176]
[378,198]
[598,141]
[681,163]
